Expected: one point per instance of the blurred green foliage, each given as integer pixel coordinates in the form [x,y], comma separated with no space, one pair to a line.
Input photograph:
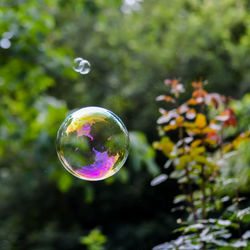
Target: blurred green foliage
[142,154]
[94,241]
[242,110]
[131,48]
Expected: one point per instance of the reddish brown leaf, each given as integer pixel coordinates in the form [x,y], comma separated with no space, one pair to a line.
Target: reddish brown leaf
[232,119]
[213,135]
[199,93]
[175,82]
[197,85]
[171,82]
[213,99]
[165,98]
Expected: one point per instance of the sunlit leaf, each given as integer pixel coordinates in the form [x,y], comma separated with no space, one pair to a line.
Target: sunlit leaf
[246,235]
[200,121]
[94,240]
[179,198]
[158,180]
[191,114]
[165,145]
[194,227]
[196,143]
[192,102]
[168,163]
[165,98]
[239,244]
[244,215]
[177,174]
[170,127]
[183,161]
[224,222]
[167,116]
[182,109]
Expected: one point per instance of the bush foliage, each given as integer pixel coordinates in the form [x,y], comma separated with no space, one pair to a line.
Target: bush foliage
[201,162]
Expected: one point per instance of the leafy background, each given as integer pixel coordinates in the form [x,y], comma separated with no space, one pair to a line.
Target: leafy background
[132,47]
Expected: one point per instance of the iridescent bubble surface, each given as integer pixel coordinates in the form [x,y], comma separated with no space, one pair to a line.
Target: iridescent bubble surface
[81,65]
[92,143]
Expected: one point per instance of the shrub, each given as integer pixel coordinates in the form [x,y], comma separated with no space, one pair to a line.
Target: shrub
[217,216]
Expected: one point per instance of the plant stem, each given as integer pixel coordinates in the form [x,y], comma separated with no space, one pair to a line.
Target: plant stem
[237,206]
[204,246]
[221,142]
[203,191]
[212,194]
[190,190]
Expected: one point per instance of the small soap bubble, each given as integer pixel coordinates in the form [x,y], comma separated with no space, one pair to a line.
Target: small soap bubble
[77,64]
[85,67]
[92,143]
[81,65]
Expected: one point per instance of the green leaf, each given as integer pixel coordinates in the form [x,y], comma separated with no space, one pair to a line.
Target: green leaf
[183,161]
[64,181]
[177,174]
[179,198]
[224,222]
[165,145]
[142,153]
[244,214]
[94,241]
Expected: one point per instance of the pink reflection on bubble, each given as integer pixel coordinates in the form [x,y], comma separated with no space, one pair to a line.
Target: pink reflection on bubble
[103,163]
[85,130]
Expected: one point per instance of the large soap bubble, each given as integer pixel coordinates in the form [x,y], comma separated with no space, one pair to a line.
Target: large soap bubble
[92,143]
